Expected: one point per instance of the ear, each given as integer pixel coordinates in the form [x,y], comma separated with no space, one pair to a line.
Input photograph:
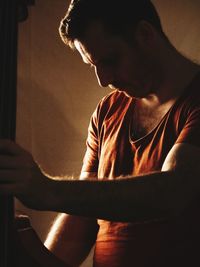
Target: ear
[145,34]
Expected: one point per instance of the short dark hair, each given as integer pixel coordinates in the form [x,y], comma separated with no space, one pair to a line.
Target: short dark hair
[115,15]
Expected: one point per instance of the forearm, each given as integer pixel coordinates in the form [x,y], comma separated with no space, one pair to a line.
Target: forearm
[146,197]
[151,196]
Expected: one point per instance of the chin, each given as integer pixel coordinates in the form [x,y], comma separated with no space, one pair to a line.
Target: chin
[134,94]
[138,92]
[128,93]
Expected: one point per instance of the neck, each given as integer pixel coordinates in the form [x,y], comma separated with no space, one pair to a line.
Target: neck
[176,73]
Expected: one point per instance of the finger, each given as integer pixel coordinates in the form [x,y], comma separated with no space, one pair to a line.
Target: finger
[11,148]
[13,177]
[8,177]
[15,162]
[7,189]
[22,222]
[10,183]
[9,162]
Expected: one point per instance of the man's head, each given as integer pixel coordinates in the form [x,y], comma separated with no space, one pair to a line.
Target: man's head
[120,40]
[118,17]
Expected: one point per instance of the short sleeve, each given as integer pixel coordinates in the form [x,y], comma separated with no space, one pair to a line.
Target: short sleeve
[191,131]
[107,106]
[90,160]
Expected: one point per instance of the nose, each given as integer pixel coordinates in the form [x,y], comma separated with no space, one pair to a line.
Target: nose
[104,76]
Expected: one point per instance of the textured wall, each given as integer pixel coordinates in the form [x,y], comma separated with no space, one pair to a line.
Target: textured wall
[57,92]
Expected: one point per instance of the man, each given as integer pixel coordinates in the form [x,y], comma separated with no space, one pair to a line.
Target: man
[138,196]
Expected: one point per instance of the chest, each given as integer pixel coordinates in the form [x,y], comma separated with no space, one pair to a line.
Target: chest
[119,155]
[145,119]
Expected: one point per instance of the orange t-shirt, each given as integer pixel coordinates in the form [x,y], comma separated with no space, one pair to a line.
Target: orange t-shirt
[111,152]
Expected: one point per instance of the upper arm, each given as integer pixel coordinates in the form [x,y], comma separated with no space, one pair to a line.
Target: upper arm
[71,238]
[183,161]
[91,160]
[184,157]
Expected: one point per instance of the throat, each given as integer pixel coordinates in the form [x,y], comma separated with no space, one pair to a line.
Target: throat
[145,118]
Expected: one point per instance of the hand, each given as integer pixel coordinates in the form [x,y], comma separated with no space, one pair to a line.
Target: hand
[21,176]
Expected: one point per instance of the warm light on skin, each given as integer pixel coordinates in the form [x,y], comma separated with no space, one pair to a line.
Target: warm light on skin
[140,66]
[126,87]
[80,48]
[117,63]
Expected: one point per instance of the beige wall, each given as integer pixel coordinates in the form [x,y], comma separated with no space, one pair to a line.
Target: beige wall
[56,95]
[57,92]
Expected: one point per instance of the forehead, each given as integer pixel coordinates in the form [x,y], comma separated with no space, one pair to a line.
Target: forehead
[97,43]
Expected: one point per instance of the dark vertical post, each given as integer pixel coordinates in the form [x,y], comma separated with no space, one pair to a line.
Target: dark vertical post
[8,73]
[10,12]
